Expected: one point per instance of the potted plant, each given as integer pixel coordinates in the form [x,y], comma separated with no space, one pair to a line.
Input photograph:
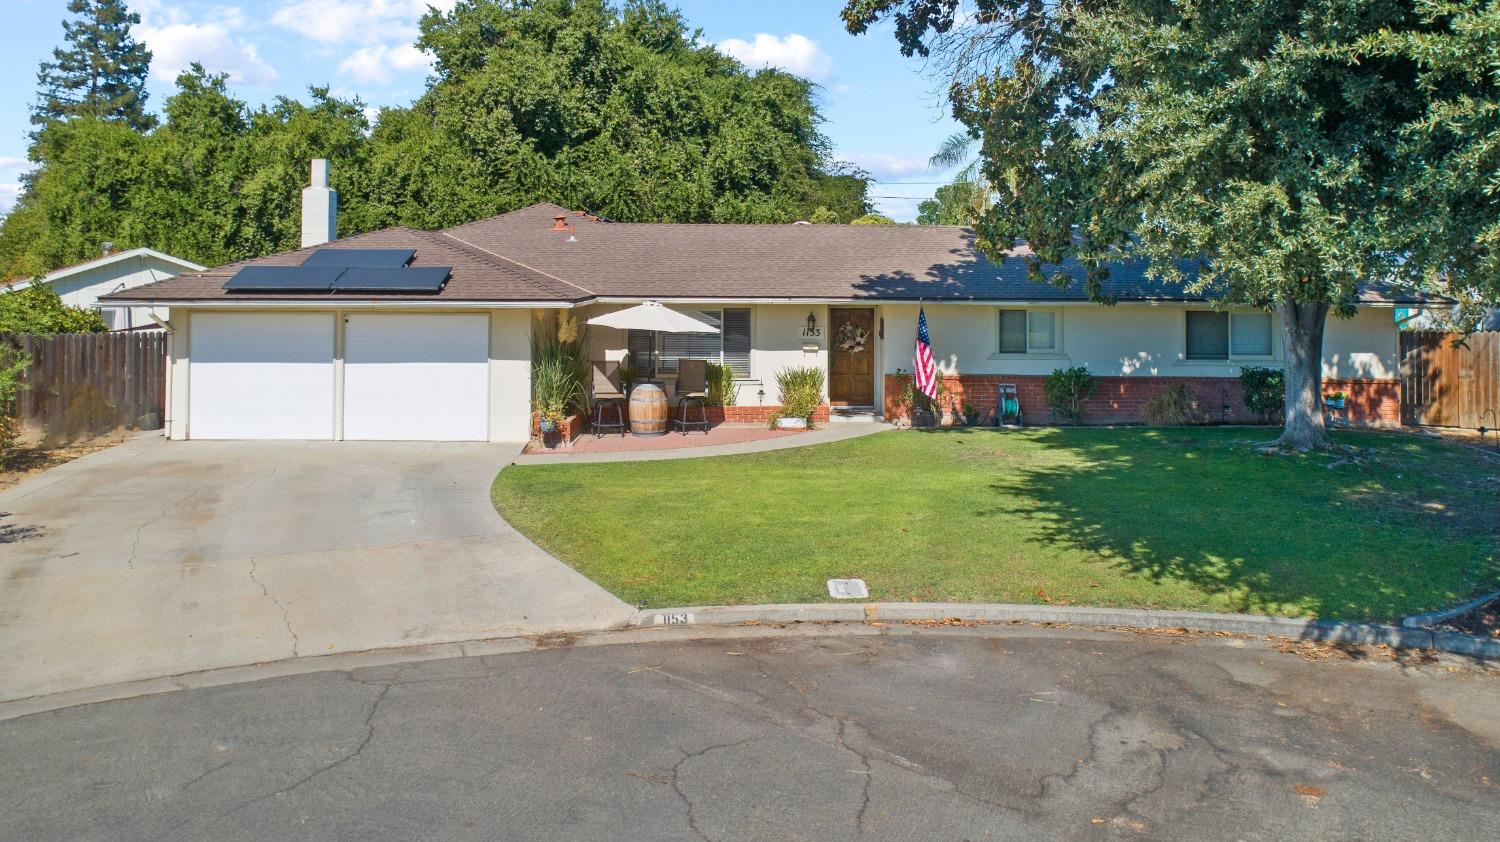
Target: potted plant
[1335,400]
[971,415]
[554,391]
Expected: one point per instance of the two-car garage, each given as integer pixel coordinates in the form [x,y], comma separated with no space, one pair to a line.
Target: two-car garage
[343,375]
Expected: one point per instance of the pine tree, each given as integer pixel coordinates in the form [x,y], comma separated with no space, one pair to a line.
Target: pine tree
[102,71]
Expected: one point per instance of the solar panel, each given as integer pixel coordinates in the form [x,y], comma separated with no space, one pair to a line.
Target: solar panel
[429,279]
[360,258]
[283,279]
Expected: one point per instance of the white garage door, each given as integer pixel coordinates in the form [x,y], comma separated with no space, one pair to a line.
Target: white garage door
[260,376]
[414,377]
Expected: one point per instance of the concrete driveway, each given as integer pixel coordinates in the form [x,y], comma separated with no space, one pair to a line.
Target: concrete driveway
[155,558]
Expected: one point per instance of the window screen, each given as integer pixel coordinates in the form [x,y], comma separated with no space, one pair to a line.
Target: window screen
[1012,331]
[1207,335]
[1043,334]
[1250,334]
[643,352]
[689,346]
[736,329]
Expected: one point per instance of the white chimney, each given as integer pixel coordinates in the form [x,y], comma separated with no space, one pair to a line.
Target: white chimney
[320,207]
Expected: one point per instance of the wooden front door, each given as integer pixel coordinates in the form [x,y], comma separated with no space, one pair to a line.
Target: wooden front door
[851,371]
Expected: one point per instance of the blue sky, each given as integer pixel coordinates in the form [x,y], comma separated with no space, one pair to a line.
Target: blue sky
[882,112]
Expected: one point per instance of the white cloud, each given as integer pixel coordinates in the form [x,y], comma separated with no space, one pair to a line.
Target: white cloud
[9,193]
[363,21]
[177,40]
[795,54]
[377,63]
[11,162]
[889,165]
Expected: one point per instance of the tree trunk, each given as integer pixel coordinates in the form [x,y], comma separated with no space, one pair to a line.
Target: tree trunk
[1302,332]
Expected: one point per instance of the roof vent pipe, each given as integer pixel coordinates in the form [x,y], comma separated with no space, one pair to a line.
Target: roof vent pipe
[320,207]
[560,222]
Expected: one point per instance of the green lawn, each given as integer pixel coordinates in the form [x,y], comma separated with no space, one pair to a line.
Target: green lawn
[1177,518]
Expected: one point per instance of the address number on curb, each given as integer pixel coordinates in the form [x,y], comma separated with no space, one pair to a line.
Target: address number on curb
[681,618]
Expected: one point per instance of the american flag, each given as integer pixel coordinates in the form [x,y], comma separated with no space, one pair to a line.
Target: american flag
[925,370]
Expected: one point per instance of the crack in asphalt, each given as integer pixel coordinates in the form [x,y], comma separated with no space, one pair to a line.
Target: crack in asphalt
[285,617]
[209,771]
[676,782]
[369,723]
[868,773]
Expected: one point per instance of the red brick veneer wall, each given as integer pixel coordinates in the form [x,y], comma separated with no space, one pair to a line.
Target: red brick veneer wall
[1119,400]
[570,428]
[744,414]
[722,415]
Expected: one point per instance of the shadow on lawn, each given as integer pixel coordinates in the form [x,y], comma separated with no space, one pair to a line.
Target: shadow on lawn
[1173,506]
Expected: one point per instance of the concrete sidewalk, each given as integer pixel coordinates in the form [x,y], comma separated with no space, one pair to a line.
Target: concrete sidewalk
[156,558]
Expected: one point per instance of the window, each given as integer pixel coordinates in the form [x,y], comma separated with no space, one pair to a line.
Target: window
[654,354]
[1250,334]
[1219,336]
[1028,331]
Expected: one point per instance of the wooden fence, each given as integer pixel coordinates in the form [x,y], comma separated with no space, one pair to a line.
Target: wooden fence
[84,384]
[1447,386]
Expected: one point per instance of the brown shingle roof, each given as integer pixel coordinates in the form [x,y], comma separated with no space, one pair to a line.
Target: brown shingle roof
[517,256]
[477,276]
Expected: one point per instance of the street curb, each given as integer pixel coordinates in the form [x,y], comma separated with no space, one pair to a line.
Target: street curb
[1325,631]
[1431,618]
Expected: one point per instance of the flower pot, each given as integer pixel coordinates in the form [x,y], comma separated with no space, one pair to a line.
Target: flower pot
[547,426]
[1334,403]
[791,423]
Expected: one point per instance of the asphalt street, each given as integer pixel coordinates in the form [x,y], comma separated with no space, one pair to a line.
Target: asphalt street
[968,734]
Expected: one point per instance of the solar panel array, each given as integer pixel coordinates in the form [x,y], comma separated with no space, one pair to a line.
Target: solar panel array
[335,270]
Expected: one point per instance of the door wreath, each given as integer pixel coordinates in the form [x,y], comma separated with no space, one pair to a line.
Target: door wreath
[852,338]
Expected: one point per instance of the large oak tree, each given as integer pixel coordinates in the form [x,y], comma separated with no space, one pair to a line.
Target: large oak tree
[1296,148]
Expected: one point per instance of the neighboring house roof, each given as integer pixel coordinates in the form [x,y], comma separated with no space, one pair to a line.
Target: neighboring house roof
[517,256]
[106,260]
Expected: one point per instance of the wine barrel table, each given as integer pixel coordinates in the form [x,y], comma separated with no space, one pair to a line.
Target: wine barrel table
[648,410]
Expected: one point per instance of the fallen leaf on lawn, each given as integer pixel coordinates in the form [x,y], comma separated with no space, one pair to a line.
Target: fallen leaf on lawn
[1308,790]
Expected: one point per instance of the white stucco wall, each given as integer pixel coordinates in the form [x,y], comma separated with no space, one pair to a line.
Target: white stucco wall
[776,343]
[1129,340]
[510,375]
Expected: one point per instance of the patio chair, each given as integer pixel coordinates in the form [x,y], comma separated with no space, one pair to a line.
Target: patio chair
[606,394]
[692,389]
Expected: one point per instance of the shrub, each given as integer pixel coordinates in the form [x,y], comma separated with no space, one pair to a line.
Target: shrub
[720,385]
[12,365]
[554,388]
[560,366]
[801,393]
[1174,406]
[1067,389]
[1265,392]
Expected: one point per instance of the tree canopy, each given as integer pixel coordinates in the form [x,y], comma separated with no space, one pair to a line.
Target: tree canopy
[1295,149]
[101,72]
[619,110]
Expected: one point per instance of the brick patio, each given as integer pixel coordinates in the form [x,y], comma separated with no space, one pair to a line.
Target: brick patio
[615,443]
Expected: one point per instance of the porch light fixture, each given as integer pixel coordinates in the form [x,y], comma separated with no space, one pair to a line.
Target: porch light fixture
[812,323]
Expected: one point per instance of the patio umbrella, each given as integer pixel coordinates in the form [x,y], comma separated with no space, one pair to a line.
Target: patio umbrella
[652,316]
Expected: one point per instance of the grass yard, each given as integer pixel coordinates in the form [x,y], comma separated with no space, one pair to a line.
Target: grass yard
[1151,518]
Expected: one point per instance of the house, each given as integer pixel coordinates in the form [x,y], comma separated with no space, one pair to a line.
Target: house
[407,334]
[82,284]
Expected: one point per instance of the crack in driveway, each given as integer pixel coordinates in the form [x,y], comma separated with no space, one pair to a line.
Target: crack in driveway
[285,618]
